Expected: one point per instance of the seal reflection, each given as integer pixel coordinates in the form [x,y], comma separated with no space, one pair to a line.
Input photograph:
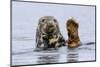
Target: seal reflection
[49,57]
[72,55]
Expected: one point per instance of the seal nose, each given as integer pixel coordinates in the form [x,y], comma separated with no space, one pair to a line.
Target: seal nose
[49,27]
[50,24]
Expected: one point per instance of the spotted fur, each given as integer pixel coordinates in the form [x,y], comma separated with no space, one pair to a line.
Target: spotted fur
[48,34]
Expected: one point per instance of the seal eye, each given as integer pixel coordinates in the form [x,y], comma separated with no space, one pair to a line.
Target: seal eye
[55,20]
[43,20]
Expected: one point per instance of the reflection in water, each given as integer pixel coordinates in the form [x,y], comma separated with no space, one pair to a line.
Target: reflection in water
[48,56]
[48,59]
[24,53]
[57,56]
[72,55]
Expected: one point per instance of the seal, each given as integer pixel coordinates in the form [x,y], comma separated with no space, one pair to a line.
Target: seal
[48,34]
[73,37]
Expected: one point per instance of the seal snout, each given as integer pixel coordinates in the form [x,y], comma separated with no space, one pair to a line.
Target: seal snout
[49,27]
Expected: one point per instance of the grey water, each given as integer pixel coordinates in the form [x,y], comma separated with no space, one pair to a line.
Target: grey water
[24,54]
[24,23]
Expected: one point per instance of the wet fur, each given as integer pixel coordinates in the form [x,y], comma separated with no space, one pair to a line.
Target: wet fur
[73,37]
[48,34]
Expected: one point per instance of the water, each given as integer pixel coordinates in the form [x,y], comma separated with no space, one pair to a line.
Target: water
[24,23]
[23,53]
